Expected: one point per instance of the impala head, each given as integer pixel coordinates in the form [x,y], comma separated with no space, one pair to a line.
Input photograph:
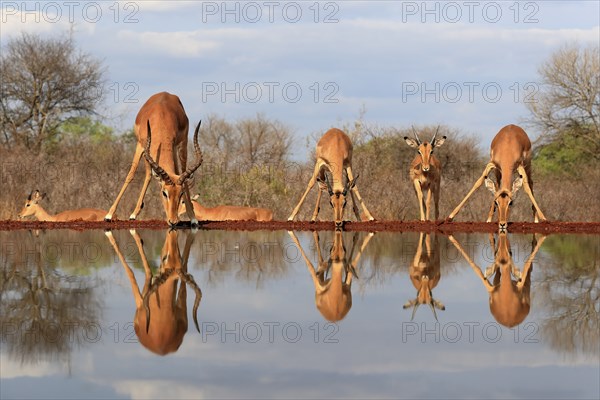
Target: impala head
[172,187]
[333,296]
[503,199]
[425,276]
[338,199]
[31,204]
[509,299]
[161,320]
[425,149]
[182,209]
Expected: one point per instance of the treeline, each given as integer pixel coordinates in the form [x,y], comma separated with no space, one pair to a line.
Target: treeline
[248,162]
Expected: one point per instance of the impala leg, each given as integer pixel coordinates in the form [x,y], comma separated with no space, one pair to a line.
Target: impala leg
[436,201]
[140,203]
[419,192]
[527,188]
[355,191]
[180,166]
[491,213]
[428,204]
[355,207]
[476,186]
[139,150]
[317,205]
[311,183]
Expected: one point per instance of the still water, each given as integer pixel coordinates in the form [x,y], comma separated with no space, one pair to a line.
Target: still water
[281,314]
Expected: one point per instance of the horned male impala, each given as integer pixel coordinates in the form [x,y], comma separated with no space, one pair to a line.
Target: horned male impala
[227,213]
[333,295]
[334,154]
[33,207]
[160,320]
[425,274]
[426,172]
[510,300]
[164,113]
[510,152]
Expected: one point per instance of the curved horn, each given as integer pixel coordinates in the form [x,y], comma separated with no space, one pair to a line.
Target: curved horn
[433,309]
[414,310]
[350,184]
[434,135]
[188,172]
[153,288]
[189,279]
[155,167]
[328,183]
[416,136]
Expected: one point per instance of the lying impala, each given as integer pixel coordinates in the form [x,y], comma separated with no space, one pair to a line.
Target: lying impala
[510,300]
[33,207]
[510,152]
[168,141]
[334,154]
[160,320]
[333,295]
[426,172]
[227,213]
[425,274]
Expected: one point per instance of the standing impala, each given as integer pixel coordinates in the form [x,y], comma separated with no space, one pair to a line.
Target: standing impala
[33,207]
[160,320]
[509,298]
[425,274]
[168,142]
[334,154]
[227,213]
[426,172]
[333,294]
[510,152]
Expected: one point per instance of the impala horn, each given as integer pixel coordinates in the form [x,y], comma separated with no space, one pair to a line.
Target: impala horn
[188,172]
[416,136]
[155,167]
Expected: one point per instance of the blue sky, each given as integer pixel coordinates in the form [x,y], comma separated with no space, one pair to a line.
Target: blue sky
[314,65]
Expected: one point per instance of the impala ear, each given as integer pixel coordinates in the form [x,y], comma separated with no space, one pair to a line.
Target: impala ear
[439,305]
[410,303]
[196,196]
[439,141]
[490,185]
[411,142]
[517,185]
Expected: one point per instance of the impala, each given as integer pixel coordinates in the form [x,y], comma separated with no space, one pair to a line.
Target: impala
[509,298]
[33,207]
[168,142]
[334,154]
[426,172]
[160,320]
[425,274]
[333,295]
[227,213]
[510,152]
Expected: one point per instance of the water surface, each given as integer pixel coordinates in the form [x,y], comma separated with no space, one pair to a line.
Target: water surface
[271,324]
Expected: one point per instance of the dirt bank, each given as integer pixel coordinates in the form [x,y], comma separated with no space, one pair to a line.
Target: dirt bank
[371,226]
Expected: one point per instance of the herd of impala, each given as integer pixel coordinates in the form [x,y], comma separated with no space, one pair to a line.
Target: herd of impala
[161,128]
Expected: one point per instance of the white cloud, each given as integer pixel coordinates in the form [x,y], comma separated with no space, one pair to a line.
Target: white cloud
[176,44]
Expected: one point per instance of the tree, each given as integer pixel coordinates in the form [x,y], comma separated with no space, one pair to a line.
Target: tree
[568,104]
[45,82]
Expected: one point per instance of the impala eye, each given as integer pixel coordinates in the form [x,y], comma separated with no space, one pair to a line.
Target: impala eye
[165,194]
[28,205]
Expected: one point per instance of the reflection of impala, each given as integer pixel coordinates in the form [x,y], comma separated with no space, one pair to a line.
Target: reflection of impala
[160,320]
[426,172]
[425,274]
[509,298]
[334,154]
[33,207]
[227,213]
[168,142]
[333,296]
[510,152]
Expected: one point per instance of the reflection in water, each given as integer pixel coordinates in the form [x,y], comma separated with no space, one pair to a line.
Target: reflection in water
[44,313]
[569,291]
[509,298]
[333,295]
[160,320]
[425,274]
